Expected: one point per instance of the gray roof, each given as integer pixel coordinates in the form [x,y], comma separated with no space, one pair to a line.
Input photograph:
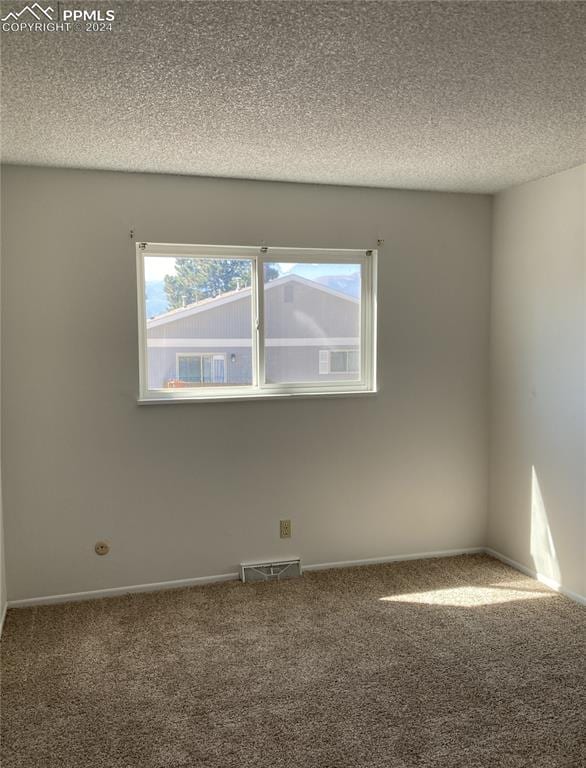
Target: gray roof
[226,298]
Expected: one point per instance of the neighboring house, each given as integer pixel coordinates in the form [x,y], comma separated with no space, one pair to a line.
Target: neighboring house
[312,334]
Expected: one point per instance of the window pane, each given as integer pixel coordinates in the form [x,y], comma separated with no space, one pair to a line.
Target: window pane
[199,321]
[219,369]
[353,361]
[311,321]
[207,369]
[338,362]
[189,368]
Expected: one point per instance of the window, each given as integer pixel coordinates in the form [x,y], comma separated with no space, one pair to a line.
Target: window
[200,369]
[222,322]
[339,361]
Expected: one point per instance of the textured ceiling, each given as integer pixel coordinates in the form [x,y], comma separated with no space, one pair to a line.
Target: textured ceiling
[467,96]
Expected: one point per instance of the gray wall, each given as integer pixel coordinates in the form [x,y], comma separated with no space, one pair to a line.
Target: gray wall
[288,364]
[3,590]
[399,472]
[310,313]
[229,321]
[162,364]
[537,500]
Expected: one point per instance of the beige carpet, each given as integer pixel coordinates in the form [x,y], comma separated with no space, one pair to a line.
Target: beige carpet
[453,662]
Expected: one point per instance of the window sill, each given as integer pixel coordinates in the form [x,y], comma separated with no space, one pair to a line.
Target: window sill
[256,396]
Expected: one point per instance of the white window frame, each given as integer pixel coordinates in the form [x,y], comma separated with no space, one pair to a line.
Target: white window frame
[259,389]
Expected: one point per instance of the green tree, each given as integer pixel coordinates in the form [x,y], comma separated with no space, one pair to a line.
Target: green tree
[198,279]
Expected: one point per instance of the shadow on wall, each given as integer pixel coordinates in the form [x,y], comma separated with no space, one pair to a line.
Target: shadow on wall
[542,545]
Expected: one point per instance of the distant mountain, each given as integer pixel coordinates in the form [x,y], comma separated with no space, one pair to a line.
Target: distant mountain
[339,280]
[157,304]
[348,284]
[156,298]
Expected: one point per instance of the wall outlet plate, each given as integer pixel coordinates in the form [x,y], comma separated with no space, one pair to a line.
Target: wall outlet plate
[285,529]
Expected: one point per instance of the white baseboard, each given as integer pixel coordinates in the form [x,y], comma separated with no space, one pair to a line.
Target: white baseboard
[3,617]
[393,559]
[179,583]
[551,583]
[74,597]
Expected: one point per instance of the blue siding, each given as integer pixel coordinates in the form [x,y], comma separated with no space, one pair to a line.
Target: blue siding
[294,309]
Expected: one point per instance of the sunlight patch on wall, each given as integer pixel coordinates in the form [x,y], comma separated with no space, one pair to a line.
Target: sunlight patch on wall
[470,597]
[542,545]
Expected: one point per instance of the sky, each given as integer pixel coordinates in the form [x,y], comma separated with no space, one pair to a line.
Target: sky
[156,267]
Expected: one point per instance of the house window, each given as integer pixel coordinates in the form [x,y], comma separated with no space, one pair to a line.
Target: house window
[339,361]
[228,322]
[201,368]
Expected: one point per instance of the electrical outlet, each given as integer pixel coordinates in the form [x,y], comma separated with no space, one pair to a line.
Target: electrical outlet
[102,548]
[285,529]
